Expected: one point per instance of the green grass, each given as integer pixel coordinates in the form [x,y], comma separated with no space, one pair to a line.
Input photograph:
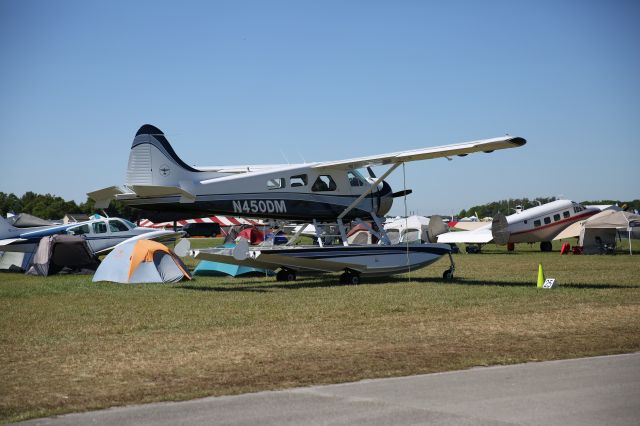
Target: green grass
[67,344]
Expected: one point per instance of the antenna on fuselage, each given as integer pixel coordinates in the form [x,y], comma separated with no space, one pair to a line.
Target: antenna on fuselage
[285,157]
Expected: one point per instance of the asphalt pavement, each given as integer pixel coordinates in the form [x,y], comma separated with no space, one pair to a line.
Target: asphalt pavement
[588,391]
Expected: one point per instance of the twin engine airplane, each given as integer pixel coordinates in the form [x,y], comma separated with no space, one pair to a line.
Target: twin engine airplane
[537,224]
[159,182]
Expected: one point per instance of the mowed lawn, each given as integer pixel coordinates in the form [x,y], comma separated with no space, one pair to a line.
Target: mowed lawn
[67,344]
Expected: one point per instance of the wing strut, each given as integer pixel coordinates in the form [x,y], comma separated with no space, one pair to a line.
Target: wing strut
[368,191]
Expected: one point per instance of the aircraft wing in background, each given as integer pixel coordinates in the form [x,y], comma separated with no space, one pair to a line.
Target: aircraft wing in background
[478,236]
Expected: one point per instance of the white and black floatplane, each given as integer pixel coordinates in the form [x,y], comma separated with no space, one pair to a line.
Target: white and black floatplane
[163,185]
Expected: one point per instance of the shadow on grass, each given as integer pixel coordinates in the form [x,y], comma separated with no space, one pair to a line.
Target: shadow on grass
[332,281]
[301,283]
[462,281]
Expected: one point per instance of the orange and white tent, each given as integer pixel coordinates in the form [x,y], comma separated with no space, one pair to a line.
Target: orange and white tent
[141,261]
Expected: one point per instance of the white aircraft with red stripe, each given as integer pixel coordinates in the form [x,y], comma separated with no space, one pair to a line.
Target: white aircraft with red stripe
[537,224]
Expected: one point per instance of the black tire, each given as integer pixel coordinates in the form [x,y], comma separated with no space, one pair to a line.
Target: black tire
[350,278]
[546,246]
[447,275]
[286,275]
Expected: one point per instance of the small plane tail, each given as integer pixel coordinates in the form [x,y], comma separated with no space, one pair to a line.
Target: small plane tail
[436,227]
[152,160]
[500,229]
[7,230]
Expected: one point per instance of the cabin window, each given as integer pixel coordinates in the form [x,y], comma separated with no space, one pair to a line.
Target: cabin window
[99,228]
[566,214]
[547,220]
[298,180]
[556,217]
[78,230]
[117,226]
[577,209]
[324,183]
[354,178]
[525,221]
[536,223]
[275,183]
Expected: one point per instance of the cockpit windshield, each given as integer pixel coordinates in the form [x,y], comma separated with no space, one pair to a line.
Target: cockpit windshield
[129,224]
[355,178]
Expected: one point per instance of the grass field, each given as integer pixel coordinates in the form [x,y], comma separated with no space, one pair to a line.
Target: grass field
[67,344]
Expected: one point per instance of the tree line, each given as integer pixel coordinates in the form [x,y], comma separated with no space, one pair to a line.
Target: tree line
[51,207]
[508,207]
[47,206]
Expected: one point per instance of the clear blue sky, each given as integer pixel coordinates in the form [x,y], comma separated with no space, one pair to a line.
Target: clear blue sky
[245,82]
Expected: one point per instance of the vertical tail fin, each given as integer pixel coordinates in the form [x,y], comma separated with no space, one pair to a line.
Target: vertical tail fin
[152,160]
[7,230]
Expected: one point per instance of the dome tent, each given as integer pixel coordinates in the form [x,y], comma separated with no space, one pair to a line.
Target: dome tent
[141,261]
[63,254]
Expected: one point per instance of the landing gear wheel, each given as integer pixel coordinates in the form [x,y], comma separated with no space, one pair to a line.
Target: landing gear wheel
[350,278]
[286,275]
[546,246]
[447,275]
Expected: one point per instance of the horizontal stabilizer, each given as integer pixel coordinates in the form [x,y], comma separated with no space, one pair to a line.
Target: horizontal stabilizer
[163,191]
[103,197]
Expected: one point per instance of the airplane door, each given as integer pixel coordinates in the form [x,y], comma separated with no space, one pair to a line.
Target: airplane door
[98,238]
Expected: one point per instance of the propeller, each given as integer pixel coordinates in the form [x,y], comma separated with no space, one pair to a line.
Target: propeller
[402,193]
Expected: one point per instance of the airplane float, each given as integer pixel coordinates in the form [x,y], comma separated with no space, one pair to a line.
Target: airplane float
[162,184]
[537,224]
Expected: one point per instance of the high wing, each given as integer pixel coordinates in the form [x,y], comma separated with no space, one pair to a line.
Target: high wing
[460,149]
[478,236]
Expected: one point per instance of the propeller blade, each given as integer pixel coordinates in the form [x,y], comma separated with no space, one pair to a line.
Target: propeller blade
[402,193]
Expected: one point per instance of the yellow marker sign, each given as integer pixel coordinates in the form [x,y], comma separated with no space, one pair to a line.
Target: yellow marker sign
[540,276]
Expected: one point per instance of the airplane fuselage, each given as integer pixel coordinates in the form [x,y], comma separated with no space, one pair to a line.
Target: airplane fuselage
[297,191]
[543,223]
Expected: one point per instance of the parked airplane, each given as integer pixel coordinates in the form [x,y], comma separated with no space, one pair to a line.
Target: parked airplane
[169,189]
[537,224]
[101,235]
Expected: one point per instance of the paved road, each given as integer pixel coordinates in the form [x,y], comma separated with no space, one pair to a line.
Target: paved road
[589,391]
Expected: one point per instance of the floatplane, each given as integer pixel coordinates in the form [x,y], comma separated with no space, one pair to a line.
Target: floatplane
[167,188]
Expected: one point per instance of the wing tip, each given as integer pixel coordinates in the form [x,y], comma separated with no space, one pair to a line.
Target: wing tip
[518,141]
